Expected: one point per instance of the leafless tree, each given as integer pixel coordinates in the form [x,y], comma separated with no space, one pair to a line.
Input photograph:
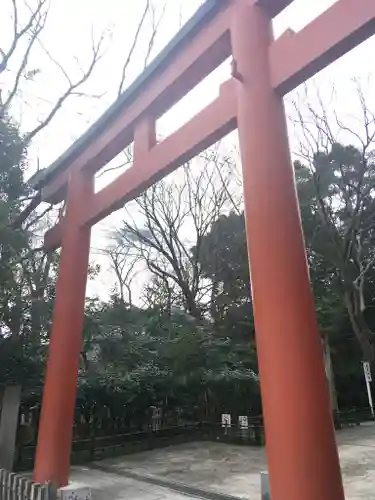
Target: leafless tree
[166,232]
[123,160]
[32,269]
[123,263]
[227,169]
[344,191]
[26,36]
[149,9]
[29,21]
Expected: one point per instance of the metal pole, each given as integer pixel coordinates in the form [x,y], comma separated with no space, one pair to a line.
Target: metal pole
[264,486]
[368,379]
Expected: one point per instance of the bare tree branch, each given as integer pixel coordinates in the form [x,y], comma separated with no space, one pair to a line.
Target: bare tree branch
[127,153]
[172,217]
[33,28]
[35,19]
[123,263]
[156,23]
[73,86]
[133,47]
[343,192]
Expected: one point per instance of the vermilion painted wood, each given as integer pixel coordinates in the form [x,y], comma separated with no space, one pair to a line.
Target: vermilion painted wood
[207,50]
[208,126]
[301,448]
[300,437]
[55,435]
[204,53]
[296,57]
[293,58]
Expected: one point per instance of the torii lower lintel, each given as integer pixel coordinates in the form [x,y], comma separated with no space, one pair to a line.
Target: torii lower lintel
[301,449]
[207,127]
[293,58]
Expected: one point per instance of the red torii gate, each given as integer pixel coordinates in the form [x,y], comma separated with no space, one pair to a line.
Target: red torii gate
[301,448]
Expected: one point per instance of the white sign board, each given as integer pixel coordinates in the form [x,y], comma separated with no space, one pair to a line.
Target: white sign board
[243,422]
[226,420]
[367,371]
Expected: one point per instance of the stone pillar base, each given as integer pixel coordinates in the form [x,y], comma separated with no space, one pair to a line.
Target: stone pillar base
[75,491]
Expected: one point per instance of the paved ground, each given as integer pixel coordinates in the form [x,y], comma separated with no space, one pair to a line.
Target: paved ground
[107,486]
[227,469]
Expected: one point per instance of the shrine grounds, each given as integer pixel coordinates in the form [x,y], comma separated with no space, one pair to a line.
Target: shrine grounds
[217,471]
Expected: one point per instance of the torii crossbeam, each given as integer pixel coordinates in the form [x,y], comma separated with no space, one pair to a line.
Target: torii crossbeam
[301,449]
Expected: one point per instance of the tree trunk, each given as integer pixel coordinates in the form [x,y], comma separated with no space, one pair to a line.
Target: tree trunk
[8,425]
[329,373]
[364,335]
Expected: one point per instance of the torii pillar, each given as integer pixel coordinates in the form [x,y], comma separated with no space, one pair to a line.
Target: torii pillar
[301,448]
[302,454]
[59,395]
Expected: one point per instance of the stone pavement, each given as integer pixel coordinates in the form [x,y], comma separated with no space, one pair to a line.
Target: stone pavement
[214,467]
[106,486]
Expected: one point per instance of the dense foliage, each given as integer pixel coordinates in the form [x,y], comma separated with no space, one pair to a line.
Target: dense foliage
[26,273]
[192,341]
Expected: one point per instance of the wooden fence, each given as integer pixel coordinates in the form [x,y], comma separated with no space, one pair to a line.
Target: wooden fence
[16,487]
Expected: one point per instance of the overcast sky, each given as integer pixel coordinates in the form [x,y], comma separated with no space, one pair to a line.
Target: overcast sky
[68,38]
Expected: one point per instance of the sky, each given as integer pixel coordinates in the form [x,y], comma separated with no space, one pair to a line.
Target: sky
[70,28]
